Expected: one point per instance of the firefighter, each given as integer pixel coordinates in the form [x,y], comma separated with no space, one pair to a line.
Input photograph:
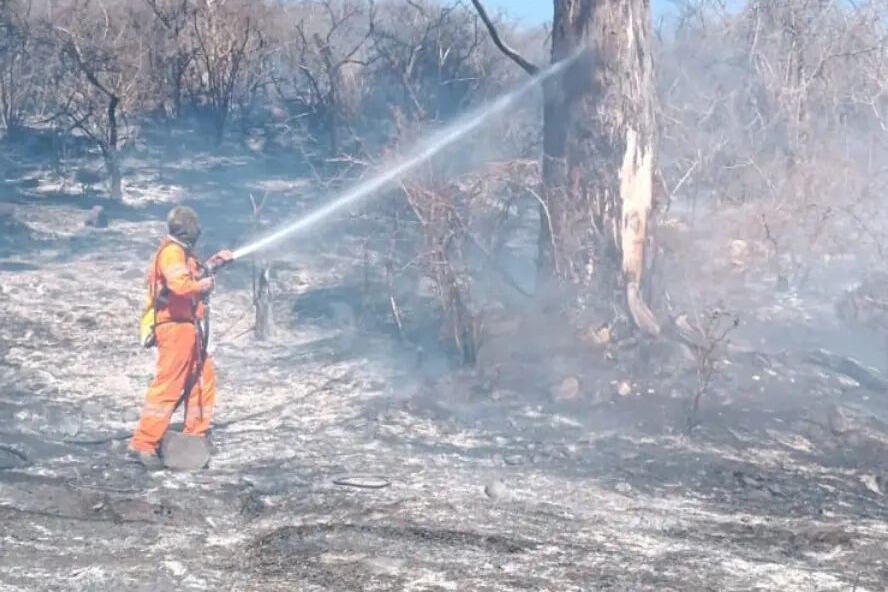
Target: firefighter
[175,292]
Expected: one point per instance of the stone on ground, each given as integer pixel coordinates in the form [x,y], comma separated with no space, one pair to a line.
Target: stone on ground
[97,218]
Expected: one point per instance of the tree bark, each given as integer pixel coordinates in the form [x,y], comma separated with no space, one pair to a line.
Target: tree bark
[111,156]
[261,275]
[262,301]
[599,152]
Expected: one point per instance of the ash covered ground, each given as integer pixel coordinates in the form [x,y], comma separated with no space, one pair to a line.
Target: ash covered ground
[548,468]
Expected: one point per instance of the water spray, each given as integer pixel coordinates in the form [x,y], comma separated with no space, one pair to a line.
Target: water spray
[422,152]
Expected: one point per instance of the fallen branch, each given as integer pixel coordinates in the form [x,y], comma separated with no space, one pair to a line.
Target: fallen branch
[864,375]
[393,300]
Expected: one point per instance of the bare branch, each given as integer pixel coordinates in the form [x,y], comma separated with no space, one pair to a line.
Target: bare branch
[497,40]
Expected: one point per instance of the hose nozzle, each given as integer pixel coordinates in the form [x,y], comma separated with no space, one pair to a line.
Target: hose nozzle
[218,261]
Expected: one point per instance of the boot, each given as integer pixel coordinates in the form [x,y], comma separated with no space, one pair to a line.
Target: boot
[150,460]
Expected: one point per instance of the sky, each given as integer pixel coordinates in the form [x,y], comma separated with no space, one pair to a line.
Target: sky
[540,11]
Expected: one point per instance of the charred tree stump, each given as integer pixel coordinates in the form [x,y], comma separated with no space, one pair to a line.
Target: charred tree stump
[112,158]
[263,326]
[262,301]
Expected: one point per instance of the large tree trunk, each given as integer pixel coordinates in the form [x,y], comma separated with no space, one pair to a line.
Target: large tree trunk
[599,152]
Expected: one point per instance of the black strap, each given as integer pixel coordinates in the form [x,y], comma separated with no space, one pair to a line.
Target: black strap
[154,281]
[173,322]
[203,335]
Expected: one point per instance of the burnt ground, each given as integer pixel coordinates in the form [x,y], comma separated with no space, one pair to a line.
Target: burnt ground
[471,480]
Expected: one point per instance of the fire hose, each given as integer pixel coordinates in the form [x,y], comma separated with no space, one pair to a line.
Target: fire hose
[208,269]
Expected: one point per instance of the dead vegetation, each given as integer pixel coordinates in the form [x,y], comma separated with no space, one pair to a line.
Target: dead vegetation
[260,275]
[754,177]
[773,109]
[707,336]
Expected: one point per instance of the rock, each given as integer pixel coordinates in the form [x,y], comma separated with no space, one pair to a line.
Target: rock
[256,144]
[496,490]
[566,390]
[97,217]
[176,568]
[872,483]
[838,422]
[866,306]
[739,250]
[7,210]
[846,382]
[502,394]
[749,481]
[624,389]
[600,336]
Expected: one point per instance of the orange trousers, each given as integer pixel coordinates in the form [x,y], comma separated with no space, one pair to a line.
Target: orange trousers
[178,350]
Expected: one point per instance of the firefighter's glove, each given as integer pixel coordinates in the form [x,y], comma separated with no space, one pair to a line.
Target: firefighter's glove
[221,258]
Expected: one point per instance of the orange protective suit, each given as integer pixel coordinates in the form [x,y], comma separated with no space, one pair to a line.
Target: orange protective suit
[178,351]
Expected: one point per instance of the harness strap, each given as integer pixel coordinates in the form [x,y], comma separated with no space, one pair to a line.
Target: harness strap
[201,345]
[172,322]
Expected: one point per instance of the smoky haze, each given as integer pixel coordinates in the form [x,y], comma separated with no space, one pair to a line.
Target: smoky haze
[407,400]
[416,156]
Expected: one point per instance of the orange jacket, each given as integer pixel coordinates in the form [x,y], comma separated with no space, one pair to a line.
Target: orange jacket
[176,269]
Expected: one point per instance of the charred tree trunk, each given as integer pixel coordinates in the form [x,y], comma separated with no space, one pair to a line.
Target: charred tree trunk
[334,76]
[262,300]
[599,152]
[110,152]
[261,275]
[179,68]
